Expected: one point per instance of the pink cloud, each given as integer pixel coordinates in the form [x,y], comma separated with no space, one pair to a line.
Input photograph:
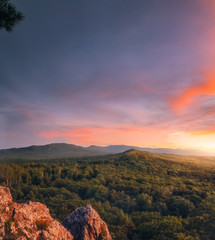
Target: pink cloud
[189,95]
[104,136]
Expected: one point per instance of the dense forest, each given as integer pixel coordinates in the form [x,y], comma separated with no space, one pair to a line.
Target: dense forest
[140,195]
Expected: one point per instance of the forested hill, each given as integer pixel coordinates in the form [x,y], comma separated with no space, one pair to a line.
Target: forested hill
[63,150]
[140,195]
[123,148]
[50,151]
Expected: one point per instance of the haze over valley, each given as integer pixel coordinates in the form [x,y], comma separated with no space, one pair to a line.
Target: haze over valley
[63,150]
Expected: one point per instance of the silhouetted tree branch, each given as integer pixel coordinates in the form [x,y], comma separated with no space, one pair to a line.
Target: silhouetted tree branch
[9,16]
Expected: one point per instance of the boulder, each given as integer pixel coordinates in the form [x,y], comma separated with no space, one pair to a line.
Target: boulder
[29,220]
[85,224]
[32,221]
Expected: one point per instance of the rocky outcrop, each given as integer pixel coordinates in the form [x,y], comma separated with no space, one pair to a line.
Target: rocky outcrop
[29,220]
[32,221]
[85,224]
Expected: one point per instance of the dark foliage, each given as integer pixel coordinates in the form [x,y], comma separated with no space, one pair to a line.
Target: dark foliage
[9,16]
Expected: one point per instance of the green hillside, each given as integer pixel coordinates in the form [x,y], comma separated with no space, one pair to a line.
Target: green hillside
[139,194]
[63,151]
[49,151]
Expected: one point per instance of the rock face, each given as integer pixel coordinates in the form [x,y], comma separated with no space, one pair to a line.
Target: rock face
[29,220]
[32,221]
[85,224]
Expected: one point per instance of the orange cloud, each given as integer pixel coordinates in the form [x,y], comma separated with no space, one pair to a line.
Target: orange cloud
[104,136]
[204,132]
[187,97]
[84,135]
[49,134]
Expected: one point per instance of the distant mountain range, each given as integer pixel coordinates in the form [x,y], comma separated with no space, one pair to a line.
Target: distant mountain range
[123,148]
[63,150]
[50,151]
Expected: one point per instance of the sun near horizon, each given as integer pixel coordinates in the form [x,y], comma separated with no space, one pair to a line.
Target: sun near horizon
[102,73]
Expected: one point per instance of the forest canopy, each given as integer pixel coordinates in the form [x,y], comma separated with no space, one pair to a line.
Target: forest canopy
[140,195]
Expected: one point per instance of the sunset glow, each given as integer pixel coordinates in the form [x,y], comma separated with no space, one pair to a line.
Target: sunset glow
[189,95]
[133,73]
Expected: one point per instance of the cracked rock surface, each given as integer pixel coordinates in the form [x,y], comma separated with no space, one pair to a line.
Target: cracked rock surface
[85,224]
[29,220]
[32,221]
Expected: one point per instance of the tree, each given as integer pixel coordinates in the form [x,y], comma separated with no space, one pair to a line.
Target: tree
[9,16]
[144,201]
[179,206]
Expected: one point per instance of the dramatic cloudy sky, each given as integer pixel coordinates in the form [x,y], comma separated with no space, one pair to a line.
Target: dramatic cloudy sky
[109,72]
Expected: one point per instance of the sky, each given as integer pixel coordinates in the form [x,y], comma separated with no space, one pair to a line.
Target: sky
[104,72]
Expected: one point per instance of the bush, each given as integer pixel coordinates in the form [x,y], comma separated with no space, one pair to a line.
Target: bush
[42,224]
[8,225]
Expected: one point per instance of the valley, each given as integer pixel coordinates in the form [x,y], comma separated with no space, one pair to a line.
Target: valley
[140,195]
